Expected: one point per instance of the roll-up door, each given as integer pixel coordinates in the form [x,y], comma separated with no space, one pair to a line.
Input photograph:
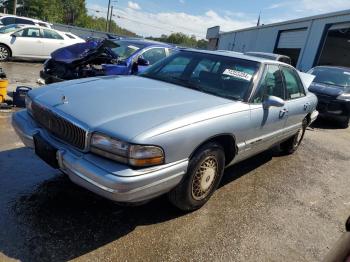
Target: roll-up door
[292,39]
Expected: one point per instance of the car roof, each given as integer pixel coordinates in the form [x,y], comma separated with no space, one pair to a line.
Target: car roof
[36,26]
[144,42]
[263,53]
[237,55]
[28,18]
[334,67]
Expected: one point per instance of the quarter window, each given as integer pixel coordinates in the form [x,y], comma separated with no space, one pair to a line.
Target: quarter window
[271,85]
[293,84]
[51,34]
[154,55]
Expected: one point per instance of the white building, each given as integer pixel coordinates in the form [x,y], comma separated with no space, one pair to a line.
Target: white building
[317,40]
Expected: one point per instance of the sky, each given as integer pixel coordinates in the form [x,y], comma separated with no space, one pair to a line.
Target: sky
[193,17]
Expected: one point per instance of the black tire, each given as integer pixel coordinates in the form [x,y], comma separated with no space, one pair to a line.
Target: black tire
[200,182]
[293,143]
[345,123]
[5,53]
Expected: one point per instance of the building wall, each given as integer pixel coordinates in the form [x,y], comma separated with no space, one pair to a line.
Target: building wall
[264,38]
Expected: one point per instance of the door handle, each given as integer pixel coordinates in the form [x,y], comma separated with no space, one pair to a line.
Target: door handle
[306,105]
[283,112]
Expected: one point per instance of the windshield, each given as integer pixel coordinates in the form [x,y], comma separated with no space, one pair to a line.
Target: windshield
[125,49]
[9,29]
[222,76]
[331,76]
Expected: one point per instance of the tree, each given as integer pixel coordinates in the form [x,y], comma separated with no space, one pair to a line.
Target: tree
[182,39]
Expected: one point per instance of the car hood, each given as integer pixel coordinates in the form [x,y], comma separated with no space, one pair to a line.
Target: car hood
[325,89]
[123,106]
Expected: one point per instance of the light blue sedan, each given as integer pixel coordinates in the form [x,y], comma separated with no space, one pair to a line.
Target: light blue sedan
[173,129]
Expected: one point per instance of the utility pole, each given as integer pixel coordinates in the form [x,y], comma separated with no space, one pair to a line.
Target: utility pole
[109,5]
[14,7]
[110,19]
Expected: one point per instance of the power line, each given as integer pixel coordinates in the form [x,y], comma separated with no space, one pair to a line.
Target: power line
[150,25]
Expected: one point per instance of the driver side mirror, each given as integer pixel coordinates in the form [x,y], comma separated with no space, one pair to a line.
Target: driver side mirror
[142,62]
[273,101]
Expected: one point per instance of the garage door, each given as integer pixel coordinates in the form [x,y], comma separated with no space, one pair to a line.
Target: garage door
[292,39]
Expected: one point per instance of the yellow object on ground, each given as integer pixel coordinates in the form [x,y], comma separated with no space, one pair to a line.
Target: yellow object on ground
[3,89]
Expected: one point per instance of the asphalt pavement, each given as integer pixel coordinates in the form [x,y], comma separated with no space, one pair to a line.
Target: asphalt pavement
[268,208]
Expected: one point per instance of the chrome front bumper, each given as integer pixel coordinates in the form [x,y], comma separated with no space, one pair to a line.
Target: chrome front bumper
[123,184]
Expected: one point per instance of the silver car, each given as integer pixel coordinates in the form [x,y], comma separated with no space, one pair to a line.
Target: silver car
[172,129]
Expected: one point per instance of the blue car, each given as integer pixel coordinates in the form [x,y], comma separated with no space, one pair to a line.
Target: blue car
[103,57]
[332,88]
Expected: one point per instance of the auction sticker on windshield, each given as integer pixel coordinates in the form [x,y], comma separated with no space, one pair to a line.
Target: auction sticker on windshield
[238,74]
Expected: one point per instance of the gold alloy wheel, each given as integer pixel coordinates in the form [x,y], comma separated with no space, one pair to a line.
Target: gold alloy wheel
[204,178]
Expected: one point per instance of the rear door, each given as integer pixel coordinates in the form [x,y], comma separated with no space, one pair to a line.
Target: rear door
[267,123]
[27,43]
[52,41]
[296,99]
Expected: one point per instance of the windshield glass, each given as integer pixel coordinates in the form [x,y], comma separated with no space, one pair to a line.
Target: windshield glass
[331,76]
[125,49]
[222,76]
[9,29]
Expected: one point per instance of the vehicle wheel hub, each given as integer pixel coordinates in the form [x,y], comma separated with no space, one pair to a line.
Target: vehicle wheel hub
[204,178]
[3,53]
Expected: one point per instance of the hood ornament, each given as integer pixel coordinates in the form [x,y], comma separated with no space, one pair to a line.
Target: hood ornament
[64,99]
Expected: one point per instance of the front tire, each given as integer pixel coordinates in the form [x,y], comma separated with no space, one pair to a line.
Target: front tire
[293,143]
[5,53]
[345,123]
[204,174]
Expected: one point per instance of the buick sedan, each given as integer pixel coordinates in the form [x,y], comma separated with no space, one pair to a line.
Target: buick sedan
[172,129]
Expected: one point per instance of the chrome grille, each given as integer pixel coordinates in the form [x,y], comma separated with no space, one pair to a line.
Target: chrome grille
[59,127]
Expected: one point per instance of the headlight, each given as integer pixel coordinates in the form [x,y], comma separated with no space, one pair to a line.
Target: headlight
[28,102]
[345,97]
[135,155]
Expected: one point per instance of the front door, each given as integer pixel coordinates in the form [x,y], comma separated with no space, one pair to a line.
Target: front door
[267,123]
[296,99]
[52,41]
[27,43]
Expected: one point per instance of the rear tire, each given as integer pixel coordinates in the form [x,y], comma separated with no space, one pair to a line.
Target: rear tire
[5,53]
[203,176]
[292,144]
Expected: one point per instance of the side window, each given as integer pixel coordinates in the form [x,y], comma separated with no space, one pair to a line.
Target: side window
[8,20]
[51,34]
[28,32]
[154,55]
[24,21]
[271,85]
[293,83]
